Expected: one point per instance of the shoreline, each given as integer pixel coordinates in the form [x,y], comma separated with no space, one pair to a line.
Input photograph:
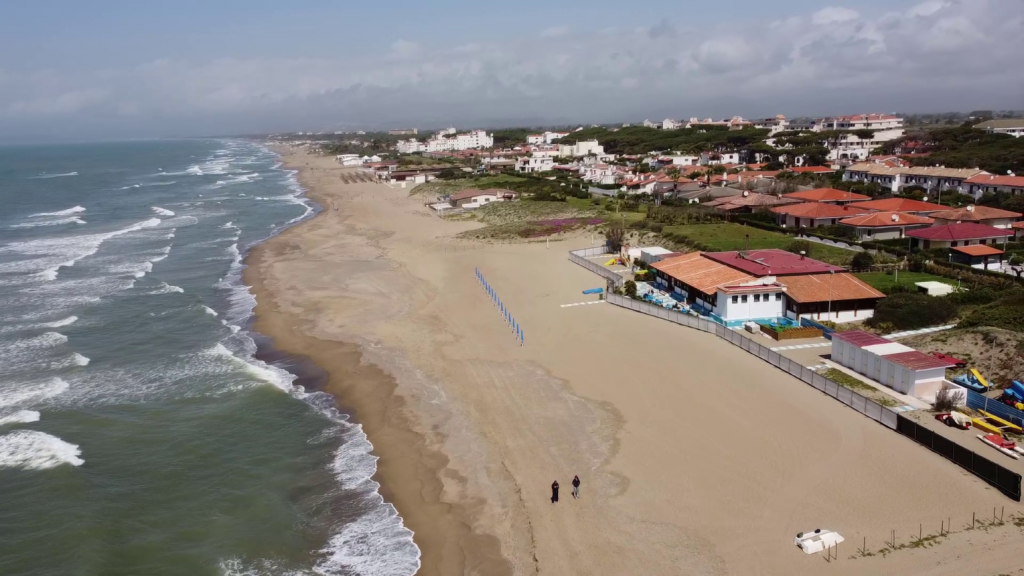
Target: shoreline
[406,471]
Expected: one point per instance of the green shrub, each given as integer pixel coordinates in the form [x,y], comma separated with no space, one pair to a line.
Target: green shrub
[862,261]
[1006,313]
[912,310]
[798,246]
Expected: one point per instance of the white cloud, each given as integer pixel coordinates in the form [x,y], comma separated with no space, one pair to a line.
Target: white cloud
[555,32]
[834,15]
[830,61]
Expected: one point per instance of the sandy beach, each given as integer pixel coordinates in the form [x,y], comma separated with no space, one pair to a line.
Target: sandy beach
[695,457]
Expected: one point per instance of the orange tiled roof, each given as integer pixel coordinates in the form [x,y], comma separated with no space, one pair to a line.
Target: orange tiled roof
[1017,225]
[979,250]
[826,195]
[901,205]
[824,287]
[883,219]
[974,214]
[817,210]
[702,273]
[994,180]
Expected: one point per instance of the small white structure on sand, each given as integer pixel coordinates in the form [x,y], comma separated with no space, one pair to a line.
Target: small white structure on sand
[816,541]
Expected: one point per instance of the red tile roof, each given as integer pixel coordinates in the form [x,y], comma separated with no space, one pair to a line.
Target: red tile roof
[859,338]
[826,195]
[771,262]
[901,205]
[699,272]
[991,180]
[974,214]
[965,231]
[1017,225]
[917,360]
[819,210]
[748,199]
[978,250]
[884,219]
[806,288]
[811,169]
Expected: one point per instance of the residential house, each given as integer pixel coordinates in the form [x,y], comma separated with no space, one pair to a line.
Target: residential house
[885,127]
[649,124]
[1012,126]
[496,165]
[1018,230]
[670,124]
[642,184]
[535,163]
[885,225]
[956,235]
[813,214]
[748,202]
[982,183]
[580,149]
[895,179]
[902,205]
[604,174]
[683,160]
[995,217]
[545,138]
[827,195]
[474,198]
[715,158]
[816,170]
[775,125]
[978,256]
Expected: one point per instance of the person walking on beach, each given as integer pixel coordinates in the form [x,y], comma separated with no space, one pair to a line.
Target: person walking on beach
[554,491]
[575,486]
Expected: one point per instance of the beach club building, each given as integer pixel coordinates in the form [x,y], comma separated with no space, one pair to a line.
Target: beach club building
[736,287]
[885,225]
[904,369]
[812,214]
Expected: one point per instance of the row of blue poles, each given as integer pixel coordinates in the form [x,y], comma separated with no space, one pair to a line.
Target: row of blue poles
[516,329]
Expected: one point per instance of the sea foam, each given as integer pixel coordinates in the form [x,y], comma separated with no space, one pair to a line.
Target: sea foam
[34,450]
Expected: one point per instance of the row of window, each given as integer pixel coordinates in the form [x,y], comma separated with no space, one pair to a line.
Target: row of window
[737,298]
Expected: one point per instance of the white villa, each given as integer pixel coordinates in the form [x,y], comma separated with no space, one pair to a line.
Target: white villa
[545,138]
[1012,126]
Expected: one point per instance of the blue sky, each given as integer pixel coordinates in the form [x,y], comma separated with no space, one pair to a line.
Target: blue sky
[140,69]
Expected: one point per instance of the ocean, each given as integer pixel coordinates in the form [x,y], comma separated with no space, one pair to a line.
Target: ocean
[140,433]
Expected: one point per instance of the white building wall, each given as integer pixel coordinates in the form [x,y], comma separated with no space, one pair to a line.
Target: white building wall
[747,307]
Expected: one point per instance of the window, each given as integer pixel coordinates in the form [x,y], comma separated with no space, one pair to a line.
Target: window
[778,296]
[757,297]
[735,299]
[744,299]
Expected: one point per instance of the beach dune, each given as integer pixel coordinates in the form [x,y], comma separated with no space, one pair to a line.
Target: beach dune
[695,457]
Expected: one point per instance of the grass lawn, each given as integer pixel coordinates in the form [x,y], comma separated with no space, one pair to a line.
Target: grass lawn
[882,281]
[727,236]
[442,187]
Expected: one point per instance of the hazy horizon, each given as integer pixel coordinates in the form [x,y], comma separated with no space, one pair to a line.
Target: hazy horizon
[122,71]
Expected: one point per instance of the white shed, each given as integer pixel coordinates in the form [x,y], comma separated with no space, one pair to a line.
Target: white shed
[899,367]
[654,254]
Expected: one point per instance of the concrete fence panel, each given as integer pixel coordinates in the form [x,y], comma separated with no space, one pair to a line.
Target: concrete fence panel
[831,388]
[889,418]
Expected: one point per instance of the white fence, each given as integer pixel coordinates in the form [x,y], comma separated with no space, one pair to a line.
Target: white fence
[865,406]
[580,257]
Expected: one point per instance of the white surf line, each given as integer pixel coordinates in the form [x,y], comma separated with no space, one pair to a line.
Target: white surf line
[800,346]
[917,332]
[582,303]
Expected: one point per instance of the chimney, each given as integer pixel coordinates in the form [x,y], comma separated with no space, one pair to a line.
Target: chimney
[802,254]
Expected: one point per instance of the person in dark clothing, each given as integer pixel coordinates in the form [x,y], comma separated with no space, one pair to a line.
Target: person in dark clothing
[554,491]
[575,486]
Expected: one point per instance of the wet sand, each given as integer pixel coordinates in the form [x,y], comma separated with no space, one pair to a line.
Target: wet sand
[695,457]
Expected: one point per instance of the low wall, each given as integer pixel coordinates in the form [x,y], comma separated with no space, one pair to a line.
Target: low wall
[580,257]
